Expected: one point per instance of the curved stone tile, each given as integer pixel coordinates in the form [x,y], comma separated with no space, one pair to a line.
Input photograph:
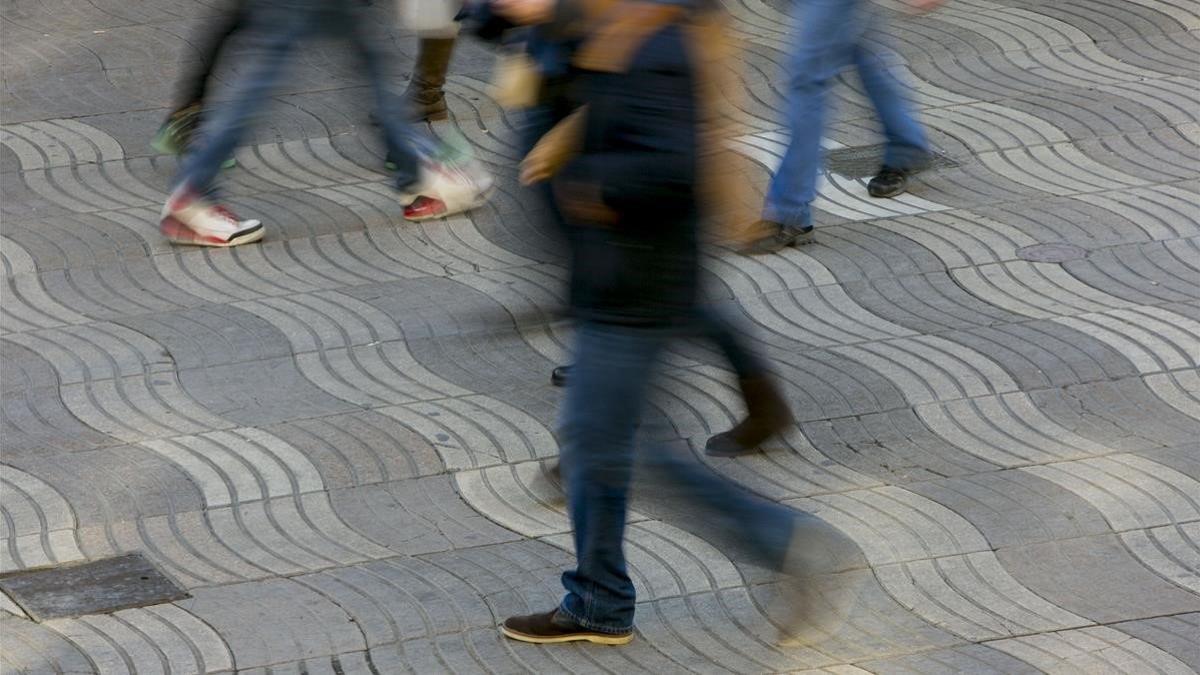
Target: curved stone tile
[34,648]
[159,638]
[476,431]
[1089,650]
[938,565]
[418,516]
[38,525]
[255,540]
[304,624]
[1067,572]
[1171,634]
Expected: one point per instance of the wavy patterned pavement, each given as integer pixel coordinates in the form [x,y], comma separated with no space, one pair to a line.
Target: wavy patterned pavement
[336,440]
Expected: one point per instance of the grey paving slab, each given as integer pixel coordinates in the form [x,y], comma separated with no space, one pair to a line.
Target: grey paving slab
[968,658]
[1068,572]
[1015,508]
[262,392]
[337,440]
[416,516]
[210,335]
[113,483]
[1172,634]
[360,448]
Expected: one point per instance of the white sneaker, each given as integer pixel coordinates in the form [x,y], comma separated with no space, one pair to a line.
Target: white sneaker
[449,188]
[188,218]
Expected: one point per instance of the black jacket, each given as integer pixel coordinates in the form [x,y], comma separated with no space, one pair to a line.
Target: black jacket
[639,155]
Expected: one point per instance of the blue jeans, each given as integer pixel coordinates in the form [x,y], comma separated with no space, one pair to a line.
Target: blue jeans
[604,400]
[275,28]
[829,36]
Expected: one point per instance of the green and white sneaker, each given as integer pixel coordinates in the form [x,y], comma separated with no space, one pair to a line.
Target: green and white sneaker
[175,134]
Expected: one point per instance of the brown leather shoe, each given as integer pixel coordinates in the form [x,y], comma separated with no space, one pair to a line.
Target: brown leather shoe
[552,627]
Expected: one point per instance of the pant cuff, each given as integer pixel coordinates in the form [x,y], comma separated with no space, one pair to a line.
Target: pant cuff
[590,625]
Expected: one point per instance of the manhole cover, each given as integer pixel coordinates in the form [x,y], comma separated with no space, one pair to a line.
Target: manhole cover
[1054,252]
[864,160]
[90,588]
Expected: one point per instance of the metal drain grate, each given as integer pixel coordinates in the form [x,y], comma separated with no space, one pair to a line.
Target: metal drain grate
[863,161]
[1053,252]
[94,587]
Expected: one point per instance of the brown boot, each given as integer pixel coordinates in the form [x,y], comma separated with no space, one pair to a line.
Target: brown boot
[767,415]
[424,91]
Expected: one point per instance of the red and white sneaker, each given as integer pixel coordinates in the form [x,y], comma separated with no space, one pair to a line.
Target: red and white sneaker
[448,189]
[188,218]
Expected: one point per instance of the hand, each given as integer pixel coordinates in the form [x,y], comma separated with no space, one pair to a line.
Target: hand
[536,167]
[525,12]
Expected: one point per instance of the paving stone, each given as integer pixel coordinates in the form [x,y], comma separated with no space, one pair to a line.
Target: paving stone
[1172,634]
[1014,508]
[360,448]
[417,516]
[261,392]
[211,335]
[114,483]
[302,622]
[338,439]
[968,658]
[1068,572]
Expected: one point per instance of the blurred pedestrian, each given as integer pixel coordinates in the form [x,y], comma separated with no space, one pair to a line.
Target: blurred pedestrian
[177,130]
[273,28]
[829,36]
[550,44]
[630,198]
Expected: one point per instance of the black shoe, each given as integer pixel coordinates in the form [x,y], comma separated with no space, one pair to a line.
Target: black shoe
[768,414]
[893,180]
[558,376]
[780,237]
[553,627]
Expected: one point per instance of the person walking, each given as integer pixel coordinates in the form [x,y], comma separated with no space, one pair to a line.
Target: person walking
[273,28]
[630,196]
[175,134]
[829,36]
[550,44]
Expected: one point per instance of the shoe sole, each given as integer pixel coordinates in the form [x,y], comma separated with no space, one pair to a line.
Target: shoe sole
[887,195]
[803,240]
[595,638]
[753,450]
[247,236]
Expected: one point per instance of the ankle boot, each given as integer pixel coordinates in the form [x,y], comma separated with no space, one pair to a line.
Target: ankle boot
[767,415]
[424,93]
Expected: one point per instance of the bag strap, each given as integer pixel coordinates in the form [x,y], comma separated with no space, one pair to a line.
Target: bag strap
[621,30]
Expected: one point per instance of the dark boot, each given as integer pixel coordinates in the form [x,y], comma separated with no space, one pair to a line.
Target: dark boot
[424,93]
[767,415]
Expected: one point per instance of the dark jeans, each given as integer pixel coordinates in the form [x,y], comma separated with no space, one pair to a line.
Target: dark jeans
[275,29]
[193,86]
[604,400]
[716,326]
